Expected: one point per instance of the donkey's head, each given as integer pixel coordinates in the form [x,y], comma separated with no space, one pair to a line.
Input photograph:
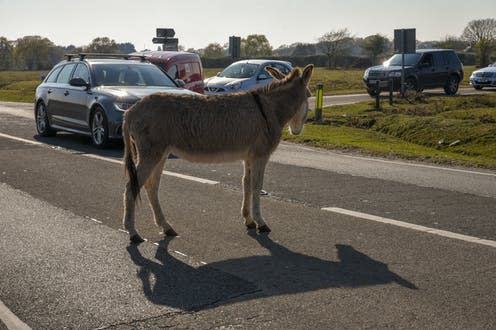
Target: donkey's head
[302,78]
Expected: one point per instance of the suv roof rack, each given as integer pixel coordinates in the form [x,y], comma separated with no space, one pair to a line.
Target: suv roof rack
[82,56]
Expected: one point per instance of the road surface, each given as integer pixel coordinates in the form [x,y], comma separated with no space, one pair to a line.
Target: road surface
[356,242]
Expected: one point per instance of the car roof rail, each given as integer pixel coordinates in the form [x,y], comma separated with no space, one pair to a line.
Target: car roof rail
[82,56]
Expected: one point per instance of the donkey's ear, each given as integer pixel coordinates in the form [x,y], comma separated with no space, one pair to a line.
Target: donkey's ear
[274,72]
[307,73]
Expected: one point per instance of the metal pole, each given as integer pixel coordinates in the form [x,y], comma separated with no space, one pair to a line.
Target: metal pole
[377,95]
[403,45]
[319,101]
[390,91]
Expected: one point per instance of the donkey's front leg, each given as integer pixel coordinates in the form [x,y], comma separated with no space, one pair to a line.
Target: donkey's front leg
[247,192]
[257,175]
[151,186]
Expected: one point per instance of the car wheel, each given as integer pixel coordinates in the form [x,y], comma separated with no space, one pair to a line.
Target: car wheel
[411,85]
[99,129]
[42,124]
[452,85]
[478,87]
[372,92]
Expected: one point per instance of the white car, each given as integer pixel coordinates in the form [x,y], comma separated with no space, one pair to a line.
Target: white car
[243,76]
[485,77]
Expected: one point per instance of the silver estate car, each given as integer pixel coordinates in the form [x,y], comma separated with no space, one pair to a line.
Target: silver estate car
[244,75]
[485,77]
[88,94]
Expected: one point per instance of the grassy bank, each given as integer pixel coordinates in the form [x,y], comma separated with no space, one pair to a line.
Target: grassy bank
[449,130]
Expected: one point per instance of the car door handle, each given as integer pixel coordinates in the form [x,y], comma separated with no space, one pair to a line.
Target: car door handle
[66,93]
[49,91]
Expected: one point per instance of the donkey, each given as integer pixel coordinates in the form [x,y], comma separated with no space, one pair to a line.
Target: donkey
[244,126]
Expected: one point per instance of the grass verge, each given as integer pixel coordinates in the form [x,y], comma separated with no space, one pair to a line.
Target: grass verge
[447,130]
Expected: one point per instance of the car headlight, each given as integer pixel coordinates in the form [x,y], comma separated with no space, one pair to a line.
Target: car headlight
[366,74]
[234,85]
[123,106]
[394,74]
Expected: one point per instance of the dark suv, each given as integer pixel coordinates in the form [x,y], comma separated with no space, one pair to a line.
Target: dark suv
[88,94]
[427,68]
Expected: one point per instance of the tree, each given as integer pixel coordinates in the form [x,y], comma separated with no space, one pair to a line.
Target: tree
[452,42]
[33,53]
[213,50]
[303,49]
[255,45]
[375,46]
[481,34]
[6,54]
[334,44]
[102,45]
[126,48]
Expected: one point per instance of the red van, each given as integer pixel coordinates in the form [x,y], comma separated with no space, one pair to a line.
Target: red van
[179,65]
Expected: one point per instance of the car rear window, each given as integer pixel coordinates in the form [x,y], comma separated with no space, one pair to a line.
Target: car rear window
[64,75]
[52,76]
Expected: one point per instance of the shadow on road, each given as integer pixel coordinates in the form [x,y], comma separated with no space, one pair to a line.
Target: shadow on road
[169,281]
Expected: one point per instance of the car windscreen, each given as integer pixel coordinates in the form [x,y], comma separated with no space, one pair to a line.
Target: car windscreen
[410,59]
[240,70]
[119,74]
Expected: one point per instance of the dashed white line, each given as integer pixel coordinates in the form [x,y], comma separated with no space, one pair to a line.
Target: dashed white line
[11,321]
[180,253]
[420,228]
[117,161]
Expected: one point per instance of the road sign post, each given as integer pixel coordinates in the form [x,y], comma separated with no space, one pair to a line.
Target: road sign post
[404,43]
[235,47]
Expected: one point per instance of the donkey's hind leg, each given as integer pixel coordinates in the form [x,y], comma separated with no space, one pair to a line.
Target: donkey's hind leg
[143,171]
[151,186]
[257,175]
[247,191]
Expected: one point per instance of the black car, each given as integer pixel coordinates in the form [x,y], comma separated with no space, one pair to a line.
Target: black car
[88,94]
[426,68]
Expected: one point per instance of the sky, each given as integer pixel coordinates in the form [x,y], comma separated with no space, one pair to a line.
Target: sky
[200,22]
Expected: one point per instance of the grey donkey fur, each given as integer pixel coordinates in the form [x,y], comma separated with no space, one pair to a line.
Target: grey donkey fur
[243,126]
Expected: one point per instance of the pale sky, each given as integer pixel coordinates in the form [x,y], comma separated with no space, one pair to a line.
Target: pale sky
[198,23]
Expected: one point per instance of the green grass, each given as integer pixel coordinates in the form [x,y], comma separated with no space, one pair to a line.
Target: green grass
[421,131]
[18,86]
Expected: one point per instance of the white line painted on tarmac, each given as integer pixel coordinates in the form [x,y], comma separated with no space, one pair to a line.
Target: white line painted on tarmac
[116,161]
[11,321]
[180,253]
[420,228]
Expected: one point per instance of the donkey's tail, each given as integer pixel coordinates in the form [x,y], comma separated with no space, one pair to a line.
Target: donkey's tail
[129,156]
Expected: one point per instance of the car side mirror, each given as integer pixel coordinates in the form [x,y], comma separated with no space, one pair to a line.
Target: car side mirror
[180,83]
[218,74]
[262,76]
[79,82]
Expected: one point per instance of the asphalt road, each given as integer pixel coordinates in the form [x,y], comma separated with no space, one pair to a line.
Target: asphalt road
[65,264]
[330,100]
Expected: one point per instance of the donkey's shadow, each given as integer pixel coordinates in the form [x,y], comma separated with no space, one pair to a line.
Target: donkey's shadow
[170,281]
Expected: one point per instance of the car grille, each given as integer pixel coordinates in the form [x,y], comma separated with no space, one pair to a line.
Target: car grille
[214,89]
[483,74]
[377,74]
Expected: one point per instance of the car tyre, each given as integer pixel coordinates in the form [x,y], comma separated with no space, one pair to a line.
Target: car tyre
[477,87]
[99,129]
[372,92]
[451,86]
[42,124]
[411,85]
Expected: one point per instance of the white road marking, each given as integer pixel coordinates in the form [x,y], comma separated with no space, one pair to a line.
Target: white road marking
[180,253]
[420,228]
[11,321]
[117,161]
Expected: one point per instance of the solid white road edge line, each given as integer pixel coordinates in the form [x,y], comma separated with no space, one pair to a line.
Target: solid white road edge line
[420,228]
[116,161]
[11,321]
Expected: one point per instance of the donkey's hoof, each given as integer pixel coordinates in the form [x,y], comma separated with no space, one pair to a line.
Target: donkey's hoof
[136,239]
[251,225]
[170,232]
[264,229]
